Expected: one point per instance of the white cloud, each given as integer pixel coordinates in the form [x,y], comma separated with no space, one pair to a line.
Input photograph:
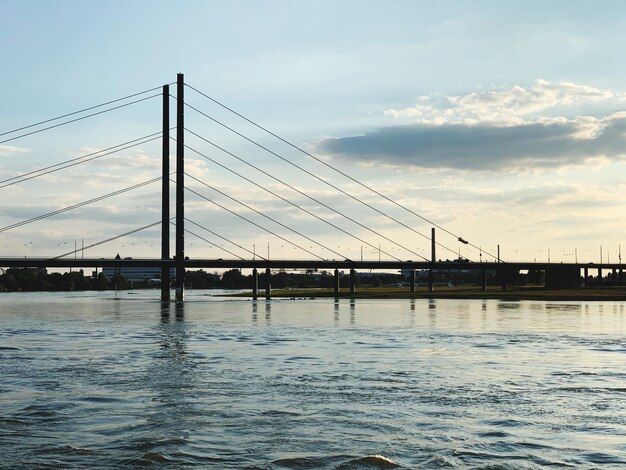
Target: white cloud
[12,150]
[502,106]
[519,128]
[196,168]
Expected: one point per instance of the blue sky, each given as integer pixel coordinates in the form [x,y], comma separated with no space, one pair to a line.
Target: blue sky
[499,120]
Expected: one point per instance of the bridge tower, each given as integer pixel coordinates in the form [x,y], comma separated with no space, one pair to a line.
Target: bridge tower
[180,201]
[165,197]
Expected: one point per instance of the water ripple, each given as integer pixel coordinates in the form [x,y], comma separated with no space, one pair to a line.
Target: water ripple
[310,384]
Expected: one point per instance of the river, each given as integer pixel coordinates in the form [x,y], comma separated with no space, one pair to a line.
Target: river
[120,380]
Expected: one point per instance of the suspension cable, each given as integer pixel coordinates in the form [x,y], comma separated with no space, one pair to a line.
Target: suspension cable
[335,187]
[308,196]
[294,204]
[107,240]
[254,223]
[152,225]
[80,204]
[319,160]
[211,243]
[264,215]
[219,236]
[79,111]
[77,161]
[299,207]
[79,118]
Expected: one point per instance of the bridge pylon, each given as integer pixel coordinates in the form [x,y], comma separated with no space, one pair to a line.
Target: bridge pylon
[165,197]
[180,185]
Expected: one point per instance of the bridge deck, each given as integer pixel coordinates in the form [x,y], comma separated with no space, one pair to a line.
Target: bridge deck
[291,264]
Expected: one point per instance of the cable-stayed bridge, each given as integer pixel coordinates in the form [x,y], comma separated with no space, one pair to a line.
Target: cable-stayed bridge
[265,182]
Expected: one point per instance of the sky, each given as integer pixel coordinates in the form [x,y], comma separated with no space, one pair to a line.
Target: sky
[503,123]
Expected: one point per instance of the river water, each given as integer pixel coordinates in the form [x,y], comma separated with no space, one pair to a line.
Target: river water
[118,380]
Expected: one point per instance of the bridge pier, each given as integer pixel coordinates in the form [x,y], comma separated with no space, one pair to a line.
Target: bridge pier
[412,280]
[255,284]
[433,259]
[621,277]
[165,196]
[599,275]
[586,275]
[336,282]
[268,283]
[352,281]
[483,280]
[431,280]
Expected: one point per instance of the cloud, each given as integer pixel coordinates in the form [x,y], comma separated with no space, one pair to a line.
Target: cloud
[514,129]
[502,106]
[12,150]
[486,147]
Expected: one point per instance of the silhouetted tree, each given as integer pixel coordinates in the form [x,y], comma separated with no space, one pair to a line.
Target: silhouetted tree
[233,279]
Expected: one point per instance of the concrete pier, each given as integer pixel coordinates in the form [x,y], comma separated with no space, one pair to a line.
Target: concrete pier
[255,283]
[352,281]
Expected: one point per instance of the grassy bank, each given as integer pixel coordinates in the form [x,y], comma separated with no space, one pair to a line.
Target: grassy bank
[461,292]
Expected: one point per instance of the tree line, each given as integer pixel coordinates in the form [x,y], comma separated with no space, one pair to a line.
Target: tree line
[31,279]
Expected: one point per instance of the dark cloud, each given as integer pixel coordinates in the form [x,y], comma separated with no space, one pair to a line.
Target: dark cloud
[484,146]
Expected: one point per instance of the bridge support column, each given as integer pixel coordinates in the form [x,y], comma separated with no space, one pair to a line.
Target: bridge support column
[621,277]
[165,196]
[180,188]
[412,280]
[586,274]
[600,275]
[614,280]
[255,284]
[483,279]
[352,281]
[268,283]
[433,259]
[336,282]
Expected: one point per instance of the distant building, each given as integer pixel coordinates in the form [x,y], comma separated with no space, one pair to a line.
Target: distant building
[137,273]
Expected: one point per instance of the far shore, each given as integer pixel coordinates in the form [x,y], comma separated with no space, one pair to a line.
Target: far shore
[608,293]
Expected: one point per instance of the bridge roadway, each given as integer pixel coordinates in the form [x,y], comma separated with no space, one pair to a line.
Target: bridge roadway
[294,264]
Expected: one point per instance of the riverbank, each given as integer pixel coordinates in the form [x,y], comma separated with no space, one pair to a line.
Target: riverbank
[610,293]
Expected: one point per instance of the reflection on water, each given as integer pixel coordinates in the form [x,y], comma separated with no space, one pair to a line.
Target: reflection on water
[564,307]
[94,381]
[169,380]
[268,312]
[179,309]
[352,311]
[509,306]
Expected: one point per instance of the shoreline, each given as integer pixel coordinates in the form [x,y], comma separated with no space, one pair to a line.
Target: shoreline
[608,293]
